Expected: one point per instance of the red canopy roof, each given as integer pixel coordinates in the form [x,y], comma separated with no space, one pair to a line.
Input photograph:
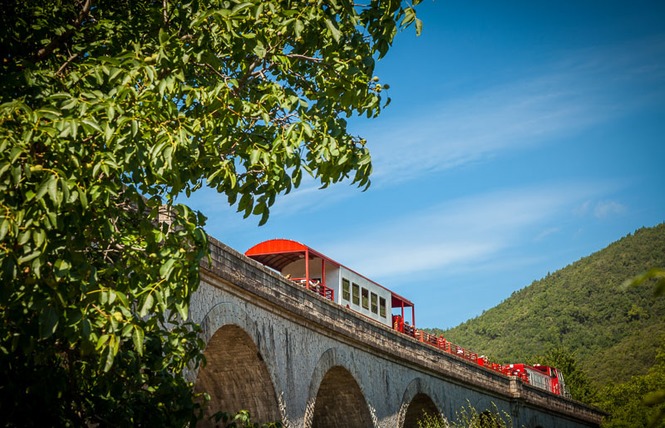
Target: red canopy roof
[278,253]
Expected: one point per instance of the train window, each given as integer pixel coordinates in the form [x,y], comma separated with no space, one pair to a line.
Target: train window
[356,294]
[365,294]
[375,307]
[346,289]
[382,307]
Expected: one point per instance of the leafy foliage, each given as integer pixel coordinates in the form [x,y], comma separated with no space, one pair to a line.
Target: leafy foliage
[601,321]
[242,419]
[468,417]
[108,112]
[584,308]
[657,274]
[640,402]
[577,380]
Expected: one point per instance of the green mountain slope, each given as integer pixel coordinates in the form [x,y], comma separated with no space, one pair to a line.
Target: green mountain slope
[613,330]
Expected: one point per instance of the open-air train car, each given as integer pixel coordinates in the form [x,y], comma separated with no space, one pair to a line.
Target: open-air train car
[334,281]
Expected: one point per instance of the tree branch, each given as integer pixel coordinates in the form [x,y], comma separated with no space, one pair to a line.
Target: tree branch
[165,12]
[211,68]
[69,60]
[308,58]
[55,43]
[248,74]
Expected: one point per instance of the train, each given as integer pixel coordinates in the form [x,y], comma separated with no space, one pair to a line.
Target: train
[331,280]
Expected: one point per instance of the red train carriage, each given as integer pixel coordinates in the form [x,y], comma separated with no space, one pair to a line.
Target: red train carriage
[334,281]
[542,377]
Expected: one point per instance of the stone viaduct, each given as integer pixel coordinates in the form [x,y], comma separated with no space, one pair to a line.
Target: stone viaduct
[286,354]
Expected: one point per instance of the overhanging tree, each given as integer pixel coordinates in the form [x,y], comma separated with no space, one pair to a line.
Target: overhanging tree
[108,112]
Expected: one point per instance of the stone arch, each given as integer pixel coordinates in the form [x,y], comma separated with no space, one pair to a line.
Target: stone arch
[336,398]
[420,405]
[235,375]
[416,400]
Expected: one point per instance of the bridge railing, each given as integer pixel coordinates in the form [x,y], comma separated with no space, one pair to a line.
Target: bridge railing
[317,287]
[445,345]
[441,343]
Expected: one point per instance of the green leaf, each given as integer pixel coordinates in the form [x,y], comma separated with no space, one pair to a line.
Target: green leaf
[163,36]
[43,188]
[122,297]
[255,156]
[91,125]
[334,31]
[167,268]
[101,342]
[111,351]
[48,322]
[138,336]
[52,189]
[84,199]
[298,26]
[61,268]
[86,328]
[183,309]
[4,228]
[38,236]
[409,16]
[30,256]
[258,12]
[148,303]
[239,8]
[260,49]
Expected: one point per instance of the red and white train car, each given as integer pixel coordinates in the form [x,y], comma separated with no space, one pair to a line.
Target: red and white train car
[334,281]
[542,377]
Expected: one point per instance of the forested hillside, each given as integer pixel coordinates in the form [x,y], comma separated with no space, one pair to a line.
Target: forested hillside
[586,308]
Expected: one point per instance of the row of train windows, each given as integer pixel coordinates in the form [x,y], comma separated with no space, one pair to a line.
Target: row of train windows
[352,292]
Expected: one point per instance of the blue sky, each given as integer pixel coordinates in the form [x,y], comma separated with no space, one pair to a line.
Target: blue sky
[522,136]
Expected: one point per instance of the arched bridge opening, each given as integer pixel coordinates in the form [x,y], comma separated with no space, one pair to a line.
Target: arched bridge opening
[420,405]
[340,402]
[236,378]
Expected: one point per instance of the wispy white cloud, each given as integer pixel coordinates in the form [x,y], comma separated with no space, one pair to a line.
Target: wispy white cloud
[476,128]
[546,233]
[461,233]
[569,94]
[600,209]
[604,209]
[309,197]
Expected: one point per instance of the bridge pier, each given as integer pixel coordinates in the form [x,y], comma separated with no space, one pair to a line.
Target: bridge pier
[286,354]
